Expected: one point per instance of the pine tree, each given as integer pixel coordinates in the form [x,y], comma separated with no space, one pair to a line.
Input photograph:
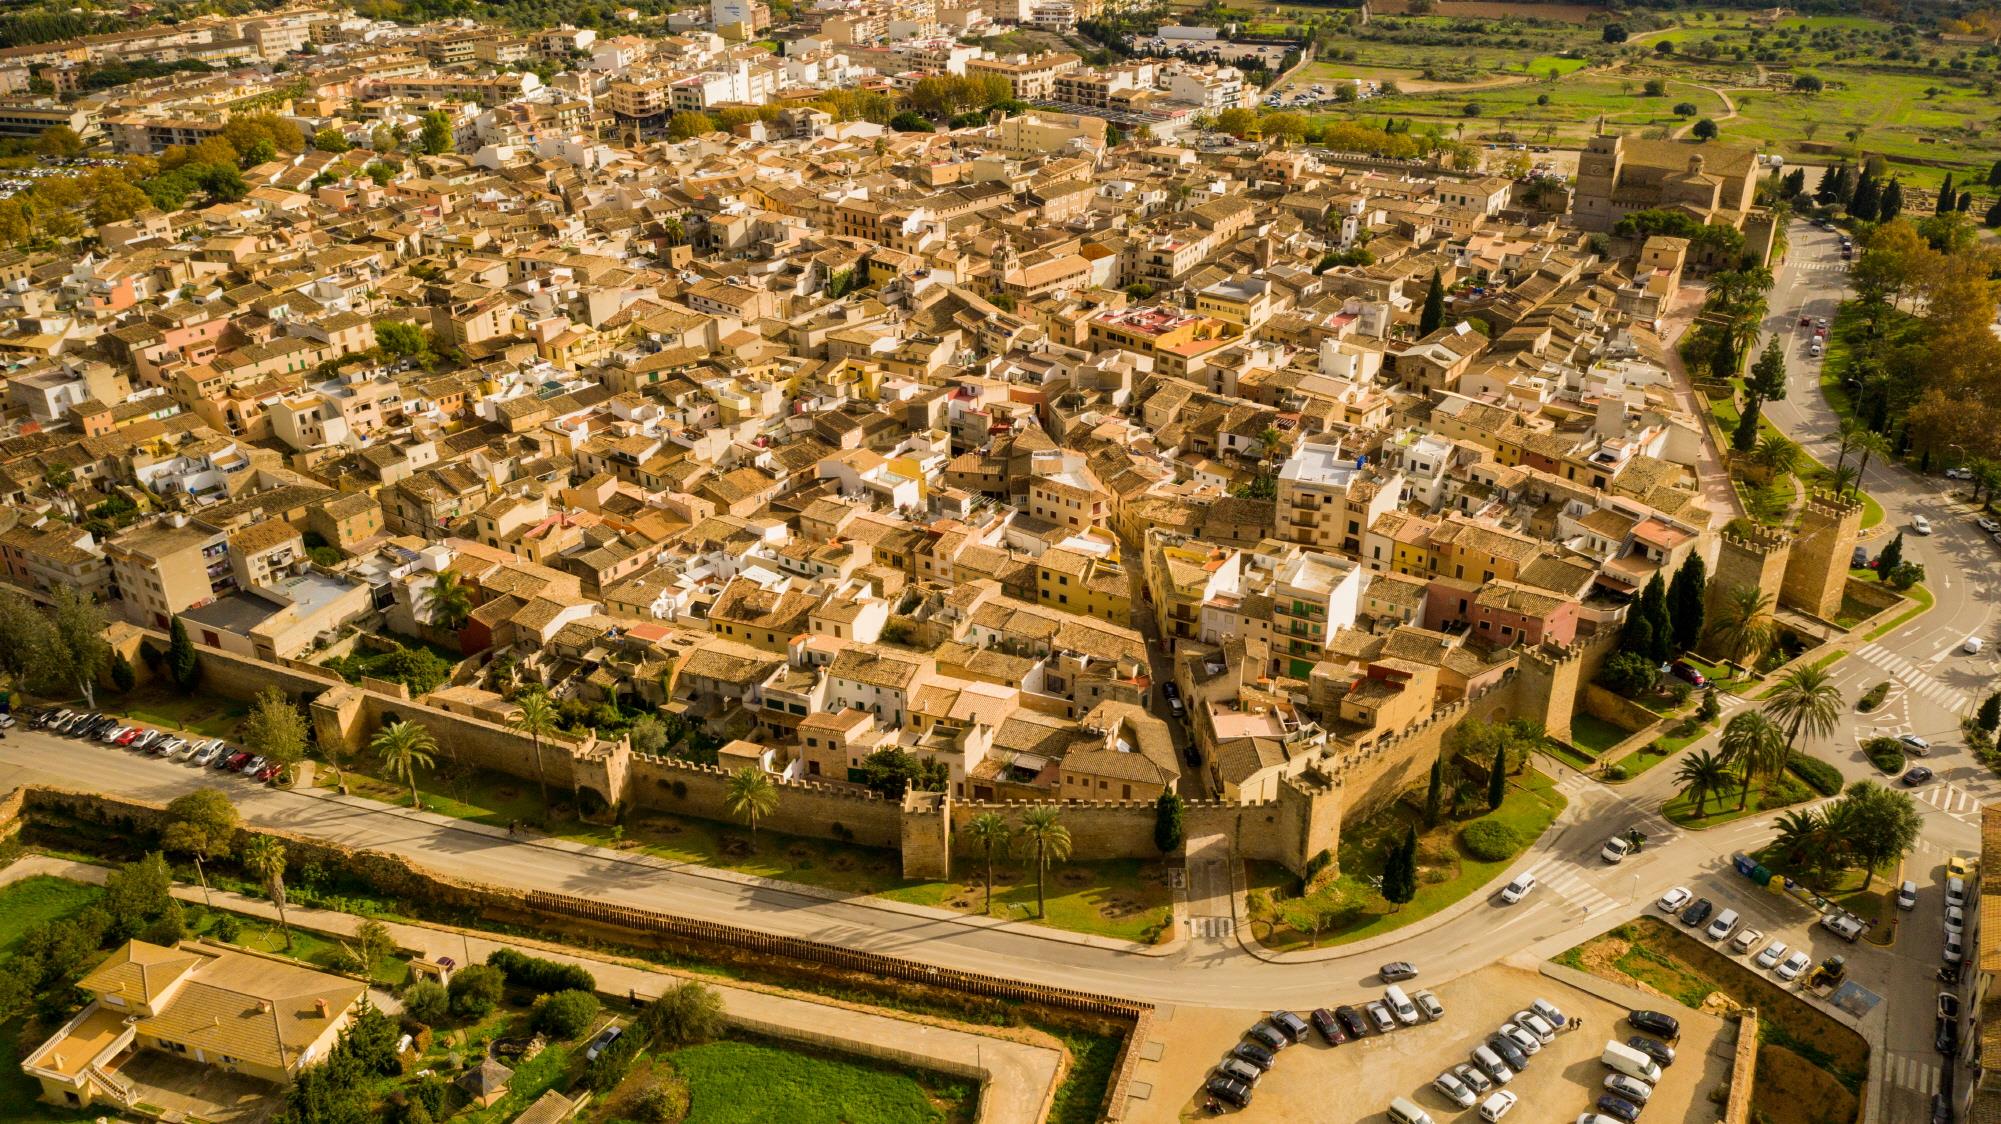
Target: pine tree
[1497,779]
[1891,558]
[1435,794]
[1745,438]
[1864,204]
[1433,313]
[183,665]
[1947,197]
[1400,871]
[1892,203]
[1685,602]
[1965,201]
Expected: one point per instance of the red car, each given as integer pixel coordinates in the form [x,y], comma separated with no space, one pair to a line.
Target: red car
[235,761]
[129,736]
[269,773]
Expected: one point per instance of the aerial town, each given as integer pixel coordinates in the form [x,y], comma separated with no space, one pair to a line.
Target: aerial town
[914,560]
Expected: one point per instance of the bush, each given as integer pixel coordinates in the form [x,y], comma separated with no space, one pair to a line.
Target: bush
[1874,698]
[427,1002]
[1616,773]
[687,1014]
[663,1102]
[537,974]
[1819,775]
[226,928]
[605,1071]
[565,1014]
[1490,840]
[1782,790]
[475,990]
[1886,754]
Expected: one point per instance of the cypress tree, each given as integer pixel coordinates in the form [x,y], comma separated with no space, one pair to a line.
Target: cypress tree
[1745,438]
[1435,794]
[1892,203]
[1965,201]
[1167,822]
[1400,871]
[1653,607]
[1947,197]
[1989,715]
[183,666]
[1433,313]
[1685,602]
[1994,175]
[1866,200]
[1497,780]
[1637,637]
[1891,558]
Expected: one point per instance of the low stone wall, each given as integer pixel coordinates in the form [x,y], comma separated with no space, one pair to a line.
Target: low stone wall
[1617,709]
[1743,1069]
[822,811]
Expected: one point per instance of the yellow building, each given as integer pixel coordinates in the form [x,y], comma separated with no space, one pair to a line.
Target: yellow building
[1086,584]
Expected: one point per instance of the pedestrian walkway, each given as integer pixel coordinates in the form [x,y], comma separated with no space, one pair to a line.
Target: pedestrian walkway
[1916,678]
[1212,928]
[1021,1076]
[1950,800]
[1918,1072]
[1566,881]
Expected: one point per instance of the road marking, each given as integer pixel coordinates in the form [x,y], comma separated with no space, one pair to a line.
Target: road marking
[1212,928]
[1950,800]
[1913,1072]
[1914,677]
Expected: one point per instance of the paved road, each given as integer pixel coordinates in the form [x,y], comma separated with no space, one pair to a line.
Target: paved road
[1581,895]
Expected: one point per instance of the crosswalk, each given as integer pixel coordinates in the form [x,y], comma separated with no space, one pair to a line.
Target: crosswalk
[1913,1071]
[1914,677]
[1212,928]
[1948,799]
[1822,267]
[1567,882]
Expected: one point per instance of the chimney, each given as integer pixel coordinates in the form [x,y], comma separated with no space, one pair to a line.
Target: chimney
[263,1006]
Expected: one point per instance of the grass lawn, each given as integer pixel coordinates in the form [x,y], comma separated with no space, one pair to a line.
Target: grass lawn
[201,713]
[752,1082]
[37,900]
[1653,753]
[1588,731]
[1124,898]
[1349,907]
[1721,807]
[1720,675]
[261,935]
[1565,753]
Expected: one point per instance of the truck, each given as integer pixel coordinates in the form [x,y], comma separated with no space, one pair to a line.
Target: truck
[1621,1058]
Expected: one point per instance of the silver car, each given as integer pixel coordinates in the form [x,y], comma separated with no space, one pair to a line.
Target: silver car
[1454,1090]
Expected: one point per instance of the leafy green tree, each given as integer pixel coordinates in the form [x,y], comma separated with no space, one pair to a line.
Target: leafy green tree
[990,832]
[401,339]
[1044,836]
[274,727]
[1433,312]
[372,944]
[1890,557]
[331,139]
[475,990]
[59,140]
[264,858]
[135,895]
[1167,822]
[647,736]
[436,137]
[1874,825]
[79,650]
[684,1015]
[564,1015]
[1705,130]
[201,824]
[1755,747]
[688,124]
[751,796]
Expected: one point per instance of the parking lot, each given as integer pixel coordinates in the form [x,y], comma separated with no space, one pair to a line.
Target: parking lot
[1356,1081]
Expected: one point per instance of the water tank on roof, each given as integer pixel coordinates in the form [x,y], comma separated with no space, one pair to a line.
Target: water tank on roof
[1362,461]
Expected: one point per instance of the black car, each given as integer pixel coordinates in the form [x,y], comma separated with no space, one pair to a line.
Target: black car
[1269,1036]
[1698,913]
[1229,1090]
[1253,1053]
[1653,1022]
[1946,1036]
[1352,1021]
[1917,775]
[1191,754]
[1941,1109]
[1291,1025]
[1662,1054]
[1618,1108]
[1510,1053]
[1328,1026]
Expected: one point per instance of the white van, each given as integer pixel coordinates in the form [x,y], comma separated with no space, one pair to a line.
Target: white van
[1622,1058]
[1400,1005]
[1518,889]
[1404,1112]
[1491,1064]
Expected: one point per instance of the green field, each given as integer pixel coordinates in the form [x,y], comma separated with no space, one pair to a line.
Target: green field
[748,1083]
[38,900]
[1573,110]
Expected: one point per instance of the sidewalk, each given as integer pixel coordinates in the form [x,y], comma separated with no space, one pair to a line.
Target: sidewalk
[1020,1078]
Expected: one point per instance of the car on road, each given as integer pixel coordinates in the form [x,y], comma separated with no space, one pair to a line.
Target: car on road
[1972,646]
[1291,1025]
[1988,525]
[1724,925]
[1921,525]
[1498,1105]
[1453,1089]
[1948,1005]
[1491,1064]
[1745,938]
[1237,1069]
[1470,1076]
[1228,1090]
[1631,1088]
[1379,1014]
[1959,474]
[1616,849]
[1858,558]
[1328,1026]
[1397,971]
[1518,889]
[1772,954]
[1915,745]
[1351,1020]
[1429,1004]
[1945,1036]
[1172,694]
[1958,866]
[1907,895]
[1661,1052]
[1674,899]
[1253,1053]
[1618,1108]
[605,1038]
[1790,968]
[1698,913]
[1268,1036]
[1654,1022]
[1917,775]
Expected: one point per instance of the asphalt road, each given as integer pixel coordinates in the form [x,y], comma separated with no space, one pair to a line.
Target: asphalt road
[1580,894]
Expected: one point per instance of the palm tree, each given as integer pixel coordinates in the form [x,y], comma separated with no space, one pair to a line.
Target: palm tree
[1270,440]
[1805,701]
[1753,745]
[449,601]
[264,857]
[1844,436]
[1700,775]
[990,831]
[404,748]
[538,720]
[1741,625]
[1841,478]
[1799,833]
[1871,444]
[751,796]
[1050,840]
[1777,455]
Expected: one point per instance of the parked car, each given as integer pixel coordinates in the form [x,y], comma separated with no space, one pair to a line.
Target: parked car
[1253,1053]
[1773,953]
[1959,866]
[1907,895]
[1988,525]
[111,735]
[1698,913]
[605,1038]
[1674,899]
[1618,1108]
[269,773]
[128,735]
[1660,1052]
[1268,1036]
[1552,1014]
[1352,1021]
[168,746]
[1790,968]
[1237,1069]
[1948,1005]
[1945,1036]
[1654,1022]
[1745,938]
[1955,919]
[1498,1105]
[1518,889]
[1685,670]
[1470,1076]
[1535,1024]
[1972,646]
[1426,1001]
[1524,1039]
[146,741]
[1379,1014]
[209,755]
[1329,1027]
[1858,558]
[1453,1089]
[1917,775]
[1397,971]
[1631,1088]
[250,767]
[1491,1064]
[1516,1057]
[1955,949]
[234,761]
[1229,1090]
[1955,890]
[1724,925]
[1174,704]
